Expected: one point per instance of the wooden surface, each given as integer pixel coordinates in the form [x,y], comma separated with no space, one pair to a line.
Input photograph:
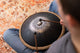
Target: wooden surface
[14,12]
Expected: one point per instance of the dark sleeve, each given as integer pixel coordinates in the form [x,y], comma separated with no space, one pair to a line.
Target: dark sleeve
[59,45]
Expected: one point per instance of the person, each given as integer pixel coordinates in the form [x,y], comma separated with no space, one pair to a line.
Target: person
[54,8]
[11,36]
[70,43]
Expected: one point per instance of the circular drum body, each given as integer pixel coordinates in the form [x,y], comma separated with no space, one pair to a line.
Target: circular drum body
[46,32]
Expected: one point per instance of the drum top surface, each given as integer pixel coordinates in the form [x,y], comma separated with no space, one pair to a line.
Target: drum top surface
[47,32]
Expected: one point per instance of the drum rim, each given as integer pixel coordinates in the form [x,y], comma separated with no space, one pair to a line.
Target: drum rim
[44,47]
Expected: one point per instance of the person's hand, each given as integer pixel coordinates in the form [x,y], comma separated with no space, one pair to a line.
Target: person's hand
[61,22]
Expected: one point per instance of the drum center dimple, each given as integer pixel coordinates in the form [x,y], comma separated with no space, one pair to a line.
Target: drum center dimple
[39,23]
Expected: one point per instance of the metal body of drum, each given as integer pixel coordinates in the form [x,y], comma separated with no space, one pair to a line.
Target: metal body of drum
[46,32]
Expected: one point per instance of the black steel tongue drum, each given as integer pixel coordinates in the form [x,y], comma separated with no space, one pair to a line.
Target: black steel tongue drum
[40,30]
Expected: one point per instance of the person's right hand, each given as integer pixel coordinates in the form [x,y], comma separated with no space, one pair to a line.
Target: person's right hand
[61,22]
